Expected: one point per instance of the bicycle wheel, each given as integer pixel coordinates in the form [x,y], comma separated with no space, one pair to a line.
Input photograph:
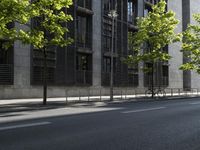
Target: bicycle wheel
[160,93]
[148,93]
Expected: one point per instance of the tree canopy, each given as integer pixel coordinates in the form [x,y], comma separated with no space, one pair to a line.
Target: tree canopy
[50,29]
[155,32]
[12,11]
[52,18]
[191,46]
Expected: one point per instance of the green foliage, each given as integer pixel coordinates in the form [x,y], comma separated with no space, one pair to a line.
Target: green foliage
[12,11]
[53,18]
[51,14]
[155,32]
[191,46]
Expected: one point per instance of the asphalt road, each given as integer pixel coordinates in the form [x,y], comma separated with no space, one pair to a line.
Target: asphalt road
[158,125]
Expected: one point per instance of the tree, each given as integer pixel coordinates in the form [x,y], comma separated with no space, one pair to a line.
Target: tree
[52,29]
[191,46]
[12,11]
[156,31]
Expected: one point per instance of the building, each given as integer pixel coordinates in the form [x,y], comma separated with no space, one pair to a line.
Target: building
[86,62]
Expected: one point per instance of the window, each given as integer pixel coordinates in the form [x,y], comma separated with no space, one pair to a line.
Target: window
[165,75]
[147,9]
[107,43]
[6,62]
[106,64]
[132,11]
[85,3]
[83,69]
[4,54]
[82,62]
[152,1]
[38,58]
[148,74]
[84,35]
[109,5]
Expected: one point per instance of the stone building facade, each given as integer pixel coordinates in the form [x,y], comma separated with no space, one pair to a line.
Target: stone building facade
[86,62]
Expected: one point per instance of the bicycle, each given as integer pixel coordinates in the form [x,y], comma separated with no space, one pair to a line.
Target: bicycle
[156,92]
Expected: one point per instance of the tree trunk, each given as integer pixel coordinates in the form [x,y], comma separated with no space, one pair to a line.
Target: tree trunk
[152,80]
[45,77]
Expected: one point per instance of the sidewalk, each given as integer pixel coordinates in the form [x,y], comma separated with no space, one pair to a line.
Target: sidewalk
[24,109]
[30,100]
[62,100]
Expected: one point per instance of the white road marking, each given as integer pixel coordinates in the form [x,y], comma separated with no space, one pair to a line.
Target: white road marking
[24,125]
[143,110]
[194,103]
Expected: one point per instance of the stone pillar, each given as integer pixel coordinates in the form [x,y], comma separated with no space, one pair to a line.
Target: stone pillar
[176,75]
[186,21]
[96,42]
[194,8]
[141,65]
[21,64]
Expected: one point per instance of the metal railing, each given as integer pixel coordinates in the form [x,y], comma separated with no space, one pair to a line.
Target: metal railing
[102,94]
[132,19]
[85,3]
[84,40]
[6,74]
[83,77]
[106,78]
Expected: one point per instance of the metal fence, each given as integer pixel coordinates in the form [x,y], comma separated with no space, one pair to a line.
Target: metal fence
[6,74]
[103,94]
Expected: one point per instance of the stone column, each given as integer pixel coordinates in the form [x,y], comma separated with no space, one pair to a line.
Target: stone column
[176,75]
[194,8]
[21,64]
[141,64]
[96,42]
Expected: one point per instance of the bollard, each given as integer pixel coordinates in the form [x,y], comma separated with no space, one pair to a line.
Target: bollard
[79,95]
[121,95]
[135,92]
[66,94]
[179,92]
[171,92]
[125,94]
[88,95]
[100,95]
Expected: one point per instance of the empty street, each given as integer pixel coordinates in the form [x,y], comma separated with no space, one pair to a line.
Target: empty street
[155,125]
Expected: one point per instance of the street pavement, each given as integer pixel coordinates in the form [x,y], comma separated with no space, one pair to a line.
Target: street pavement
[146,125]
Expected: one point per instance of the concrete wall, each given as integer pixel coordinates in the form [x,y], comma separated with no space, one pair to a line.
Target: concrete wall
[175,75]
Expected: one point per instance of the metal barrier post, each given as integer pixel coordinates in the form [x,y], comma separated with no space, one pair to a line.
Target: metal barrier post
[100,95]
[66,95]
[179,92]
[135,92]
[171,92]
[79,94]
[121,95]
[125,94]
[186,92]
[88,95]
